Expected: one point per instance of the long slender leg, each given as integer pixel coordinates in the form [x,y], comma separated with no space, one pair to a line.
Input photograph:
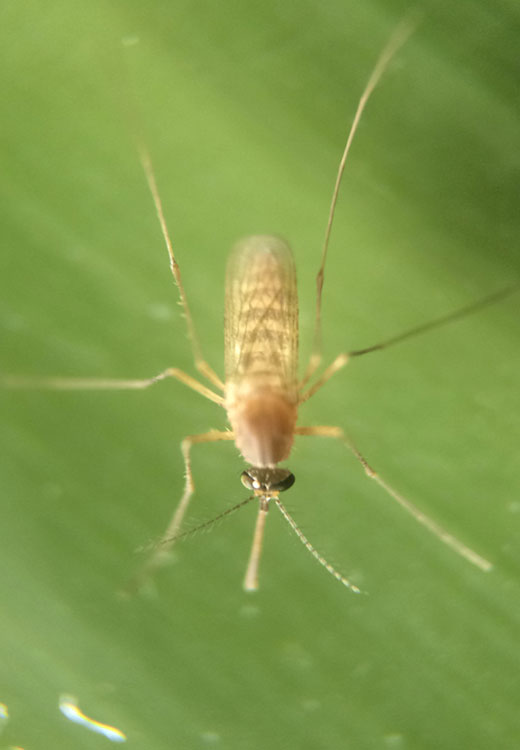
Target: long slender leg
[86,384]
[451,541]
[200,363]
[398,38]
[162,547]
[459,314]
[202,366]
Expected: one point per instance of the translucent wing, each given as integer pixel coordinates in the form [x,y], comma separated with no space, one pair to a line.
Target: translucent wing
[261,325]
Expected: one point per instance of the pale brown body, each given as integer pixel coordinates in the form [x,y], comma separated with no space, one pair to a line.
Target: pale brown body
[261,349]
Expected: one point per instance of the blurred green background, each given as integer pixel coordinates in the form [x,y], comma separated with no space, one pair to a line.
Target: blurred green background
[245,108]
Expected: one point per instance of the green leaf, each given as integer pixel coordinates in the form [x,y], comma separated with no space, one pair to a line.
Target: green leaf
[245,108]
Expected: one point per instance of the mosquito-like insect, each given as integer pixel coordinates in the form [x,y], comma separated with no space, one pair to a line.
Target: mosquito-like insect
[261,393]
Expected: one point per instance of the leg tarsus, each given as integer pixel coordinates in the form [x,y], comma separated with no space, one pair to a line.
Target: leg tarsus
[460,314]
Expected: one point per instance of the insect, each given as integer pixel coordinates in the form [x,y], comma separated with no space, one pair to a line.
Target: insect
[262,393]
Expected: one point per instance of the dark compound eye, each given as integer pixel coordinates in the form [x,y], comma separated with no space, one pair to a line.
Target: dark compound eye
[267,480]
